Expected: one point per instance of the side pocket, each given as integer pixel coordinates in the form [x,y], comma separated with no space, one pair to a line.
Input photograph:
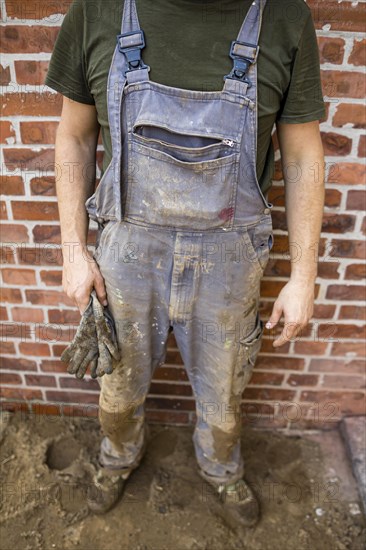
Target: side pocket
[248,352]
[100,238]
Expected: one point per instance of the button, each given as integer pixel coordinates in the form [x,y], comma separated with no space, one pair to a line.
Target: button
[266,211]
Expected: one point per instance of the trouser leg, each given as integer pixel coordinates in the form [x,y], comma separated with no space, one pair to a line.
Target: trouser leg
[218,332]
[134,264]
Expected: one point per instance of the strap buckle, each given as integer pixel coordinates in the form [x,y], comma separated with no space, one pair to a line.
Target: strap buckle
[131,44]
[243,55]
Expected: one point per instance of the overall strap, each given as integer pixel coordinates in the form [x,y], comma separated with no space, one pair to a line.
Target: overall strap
[125,60]
[130,43]
[244,51]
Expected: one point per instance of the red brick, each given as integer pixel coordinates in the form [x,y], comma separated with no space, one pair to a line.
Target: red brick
[350,113]
[12,295]
[39,380]
[170,404]
[353,312]
[53,366]
[347,173]
[47,234]
[337,365]
[358,54]
[267,347]
[322,311]
[27,314]
[30,72]
[362,146]
[57,349]
[343,402]
[4,75]
[342,84]
[344,16]
[7,348]
[72,397]
[270,394]
[331,50]
[20,393]
[3,313]
[11,185]
[31,103]
[19,276]
[157,388]
[51,278]
[347,248]
[38,132]
[279,363]
[310,348]
[14,233]
[173,358]
[363,226]
[10,378]
[6,132]
[338,223]
[355,271]
[3,212]
[356,200]
[64,316]
[345,292]
[85,384]
[28,159]
[333,198]
[171,373]
[336,331]
[7,254]
[34,348]
[51,333]
[350,349]
[344,382]
[34,210]
[302,380]
[47,298]
[46,254]
[266,379]
[33,9]
[336,144]
[43,186]
[28,39]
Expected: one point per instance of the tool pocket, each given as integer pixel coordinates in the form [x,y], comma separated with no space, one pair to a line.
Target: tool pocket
[102,231]
[249,347]
[257,244]
[180,180]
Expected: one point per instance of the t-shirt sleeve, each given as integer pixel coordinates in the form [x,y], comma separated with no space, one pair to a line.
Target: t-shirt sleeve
[303,100]
[66,70]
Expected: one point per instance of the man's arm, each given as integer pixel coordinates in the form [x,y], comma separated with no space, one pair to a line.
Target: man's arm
[76,142]
[303,168]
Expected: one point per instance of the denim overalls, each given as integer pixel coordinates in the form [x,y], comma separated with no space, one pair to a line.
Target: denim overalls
[184,236]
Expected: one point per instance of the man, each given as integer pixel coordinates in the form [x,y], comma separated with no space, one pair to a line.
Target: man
[185,225]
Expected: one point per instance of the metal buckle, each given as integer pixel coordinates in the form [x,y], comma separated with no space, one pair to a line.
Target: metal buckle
[133,53]
[241,64]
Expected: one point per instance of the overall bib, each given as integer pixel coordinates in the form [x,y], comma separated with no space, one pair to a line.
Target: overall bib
[184,236]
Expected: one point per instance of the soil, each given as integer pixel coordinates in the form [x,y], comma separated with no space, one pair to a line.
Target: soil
[308,495]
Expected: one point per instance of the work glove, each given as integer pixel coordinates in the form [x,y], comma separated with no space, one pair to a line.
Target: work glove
[95,343]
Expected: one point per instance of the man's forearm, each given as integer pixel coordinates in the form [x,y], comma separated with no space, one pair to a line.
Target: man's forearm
[304,191]
[75,170]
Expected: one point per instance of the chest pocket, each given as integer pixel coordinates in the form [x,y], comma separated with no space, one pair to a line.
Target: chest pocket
[181,180]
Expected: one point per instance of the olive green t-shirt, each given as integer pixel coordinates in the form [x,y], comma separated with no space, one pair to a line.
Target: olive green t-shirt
[187,46]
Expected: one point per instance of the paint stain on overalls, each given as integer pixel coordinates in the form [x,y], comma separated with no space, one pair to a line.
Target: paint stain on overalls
[185,235]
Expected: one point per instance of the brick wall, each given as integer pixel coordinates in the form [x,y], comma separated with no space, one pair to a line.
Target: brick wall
[313,381]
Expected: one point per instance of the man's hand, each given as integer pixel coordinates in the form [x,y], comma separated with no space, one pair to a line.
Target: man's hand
[80,275]
[296,302]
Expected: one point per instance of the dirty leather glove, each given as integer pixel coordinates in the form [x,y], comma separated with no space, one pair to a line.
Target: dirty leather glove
[107,341]
[95,343]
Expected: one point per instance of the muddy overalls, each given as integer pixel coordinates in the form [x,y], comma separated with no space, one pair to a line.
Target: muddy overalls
[184,237]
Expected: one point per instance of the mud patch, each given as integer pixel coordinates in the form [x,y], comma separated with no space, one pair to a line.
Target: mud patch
[307,493]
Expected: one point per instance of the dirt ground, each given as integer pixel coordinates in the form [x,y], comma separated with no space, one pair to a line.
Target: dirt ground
[308,495]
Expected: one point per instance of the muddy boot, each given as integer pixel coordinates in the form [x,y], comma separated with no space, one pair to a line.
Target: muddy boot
[240,506]
[105,490]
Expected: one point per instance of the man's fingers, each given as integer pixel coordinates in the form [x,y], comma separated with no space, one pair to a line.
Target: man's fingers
[275,315]
[290,331]
[100,289]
